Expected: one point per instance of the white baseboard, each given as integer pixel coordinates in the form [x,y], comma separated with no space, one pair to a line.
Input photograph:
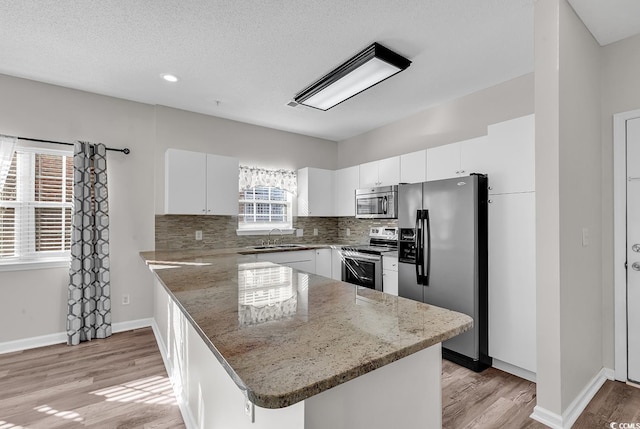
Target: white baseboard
[187,417]
[515,370]
[61,337]
[573,411]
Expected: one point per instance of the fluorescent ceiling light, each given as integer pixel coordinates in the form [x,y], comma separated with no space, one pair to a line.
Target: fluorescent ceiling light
[366,69]
[169,77]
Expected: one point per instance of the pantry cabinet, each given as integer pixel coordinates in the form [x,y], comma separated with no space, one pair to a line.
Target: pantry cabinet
[315,192]
[200,183]
[384,172]
[512,279]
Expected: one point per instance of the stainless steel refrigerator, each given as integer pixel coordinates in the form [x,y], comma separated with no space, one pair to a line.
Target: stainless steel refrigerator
[442,245]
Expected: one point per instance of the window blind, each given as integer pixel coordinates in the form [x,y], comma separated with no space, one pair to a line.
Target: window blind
[36,206]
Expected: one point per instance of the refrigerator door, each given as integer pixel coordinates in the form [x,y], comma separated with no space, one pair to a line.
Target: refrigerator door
[452,254]
[409,202]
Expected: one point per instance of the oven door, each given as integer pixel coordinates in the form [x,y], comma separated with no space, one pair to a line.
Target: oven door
[362,270]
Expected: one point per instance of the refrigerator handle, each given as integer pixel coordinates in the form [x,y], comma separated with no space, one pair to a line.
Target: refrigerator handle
[428,259]
[418,245]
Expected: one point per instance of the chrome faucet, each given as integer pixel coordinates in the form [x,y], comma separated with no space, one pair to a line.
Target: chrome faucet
[275,241]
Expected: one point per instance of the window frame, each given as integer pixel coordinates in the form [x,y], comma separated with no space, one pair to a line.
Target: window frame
[32,259]
[263,228]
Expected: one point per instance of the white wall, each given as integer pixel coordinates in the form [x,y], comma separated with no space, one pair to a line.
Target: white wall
[620,93]
[252,144]
[456,120]
[33,303]
[568,199]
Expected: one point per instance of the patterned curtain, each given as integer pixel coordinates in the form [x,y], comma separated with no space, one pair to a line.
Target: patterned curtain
[89,309]
[253,177]
[7,147]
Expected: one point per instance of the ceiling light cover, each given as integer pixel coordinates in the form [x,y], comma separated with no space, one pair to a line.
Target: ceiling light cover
[170,77]
[366,69]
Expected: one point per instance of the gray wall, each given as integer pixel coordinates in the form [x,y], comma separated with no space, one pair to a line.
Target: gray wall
[33,302]
[460,119]
[252,144]
[568,199]
[620,93]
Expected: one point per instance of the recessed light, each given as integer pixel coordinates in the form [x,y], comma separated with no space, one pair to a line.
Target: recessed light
[169,77]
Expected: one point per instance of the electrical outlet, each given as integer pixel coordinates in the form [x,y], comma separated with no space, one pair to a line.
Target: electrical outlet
[198,235]
[585,237]
[348,232]
[315,231]
[125,299]
[299,232]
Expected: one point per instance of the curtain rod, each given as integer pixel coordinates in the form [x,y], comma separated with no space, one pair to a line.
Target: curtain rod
[126,150]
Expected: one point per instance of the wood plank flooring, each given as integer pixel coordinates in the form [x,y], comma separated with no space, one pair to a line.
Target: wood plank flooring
[121,383]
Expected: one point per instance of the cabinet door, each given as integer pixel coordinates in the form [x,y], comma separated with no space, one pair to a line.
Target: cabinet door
[369,174]
[413,167]
[315,192]
[389,171]
[476,158]
[390,282]
[222,185]
[336,264]
[346,181]
[512,148]
[323,262]
[443,162]
[512,279]
[185,182]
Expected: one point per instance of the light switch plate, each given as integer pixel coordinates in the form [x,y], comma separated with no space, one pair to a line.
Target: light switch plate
[585,237]
[299,232]
[315,231]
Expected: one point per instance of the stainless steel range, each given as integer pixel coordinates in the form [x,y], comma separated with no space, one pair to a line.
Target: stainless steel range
[362,265]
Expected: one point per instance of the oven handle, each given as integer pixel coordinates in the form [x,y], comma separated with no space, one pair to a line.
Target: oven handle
[361,257]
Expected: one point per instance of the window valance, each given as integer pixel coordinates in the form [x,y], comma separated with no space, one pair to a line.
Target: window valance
[254,177]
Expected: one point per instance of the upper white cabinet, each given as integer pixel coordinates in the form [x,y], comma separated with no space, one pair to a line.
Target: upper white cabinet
[510,159]
[315,192]
[384,172]
[452,160]
[200,183]
[413,167]
[346,181]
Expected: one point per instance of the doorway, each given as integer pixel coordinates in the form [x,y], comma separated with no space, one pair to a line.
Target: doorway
[627,245]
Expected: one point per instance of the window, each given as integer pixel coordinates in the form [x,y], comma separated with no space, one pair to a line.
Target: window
[264,208]
[36,206]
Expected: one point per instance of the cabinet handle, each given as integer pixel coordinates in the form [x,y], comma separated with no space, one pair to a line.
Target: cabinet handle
[457,171]
[489,201]
[204,210]
[461,171]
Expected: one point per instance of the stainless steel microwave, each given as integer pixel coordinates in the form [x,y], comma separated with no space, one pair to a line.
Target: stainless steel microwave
[377,203]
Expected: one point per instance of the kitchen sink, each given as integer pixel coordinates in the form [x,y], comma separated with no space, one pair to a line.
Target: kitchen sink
[276,246]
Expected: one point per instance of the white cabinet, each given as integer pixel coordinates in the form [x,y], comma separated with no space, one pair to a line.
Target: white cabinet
[512,280]
[315,192]
[413,167]
[510,159]
[346,181]
[384,172]
[200,183]
[336,264]
[390,275]
[303,260]
[452,160]
[323,262]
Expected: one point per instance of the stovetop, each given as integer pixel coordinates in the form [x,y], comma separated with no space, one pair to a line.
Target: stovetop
[381,240]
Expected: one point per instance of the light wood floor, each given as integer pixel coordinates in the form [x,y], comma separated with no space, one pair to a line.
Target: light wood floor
[121,383]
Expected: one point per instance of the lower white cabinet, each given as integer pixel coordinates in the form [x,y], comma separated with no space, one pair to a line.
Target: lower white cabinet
[336,264]
[390,275]
[512,279]
[303,260]
[323,262]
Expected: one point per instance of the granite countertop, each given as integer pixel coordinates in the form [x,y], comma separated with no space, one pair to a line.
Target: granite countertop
[284,335]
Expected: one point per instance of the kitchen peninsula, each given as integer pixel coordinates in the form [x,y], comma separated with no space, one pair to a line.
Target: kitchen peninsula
[254,344]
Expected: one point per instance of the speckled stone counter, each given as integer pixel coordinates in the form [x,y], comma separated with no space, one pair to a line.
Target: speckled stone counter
[284,335]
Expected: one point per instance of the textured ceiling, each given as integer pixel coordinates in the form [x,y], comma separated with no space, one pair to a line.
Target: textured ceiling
[245,60]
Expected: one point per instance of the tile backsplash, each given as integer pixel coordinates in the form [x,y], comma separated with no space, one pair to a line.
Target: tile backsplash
[177,232]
